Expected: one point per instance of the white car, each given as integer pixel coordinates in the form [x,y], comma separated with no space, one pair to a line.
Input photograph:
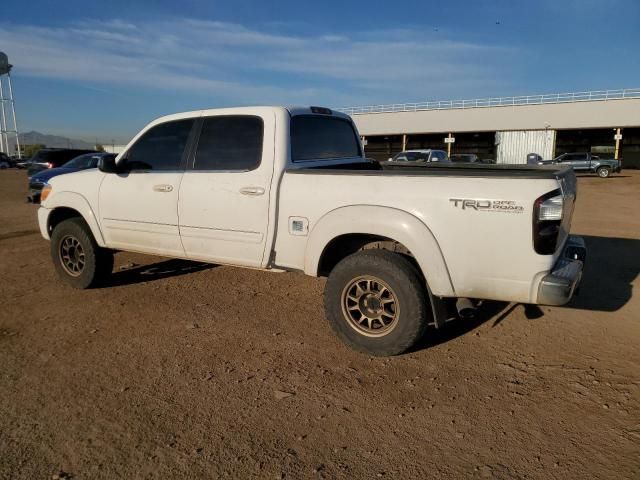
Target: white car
[289,189]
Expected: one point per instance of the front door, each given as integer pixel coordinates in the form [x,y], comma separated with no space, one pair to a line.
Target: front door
[139,206]
[223,206]
[578,161]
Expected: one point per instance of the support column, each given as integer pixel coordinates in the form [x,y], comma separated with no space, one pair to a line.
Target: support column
[618,137]
[404,142]
[13,110]
[449,145]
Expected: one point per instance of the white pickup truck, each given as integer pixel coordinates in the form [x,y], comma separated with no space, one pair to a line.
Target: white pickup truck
[289,189]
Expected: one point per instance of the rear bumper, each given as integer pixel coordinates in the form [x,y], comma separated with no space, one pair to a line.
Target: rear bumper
[560,284]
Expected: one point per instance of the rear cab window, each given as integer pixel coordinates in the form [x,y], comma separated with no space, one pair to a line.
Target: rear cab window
[323,137]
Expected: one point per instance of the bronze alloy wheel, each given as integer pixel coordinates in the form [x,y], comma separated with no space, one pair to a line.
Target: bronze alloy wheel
[370,306]
[72,256]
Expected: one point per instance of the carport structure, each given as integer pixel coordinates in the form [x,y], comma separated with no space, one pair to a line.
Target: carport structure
[506,129]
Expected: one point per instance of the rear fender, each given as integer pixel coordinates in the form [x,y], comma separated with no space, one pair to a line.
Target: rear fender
[386,222]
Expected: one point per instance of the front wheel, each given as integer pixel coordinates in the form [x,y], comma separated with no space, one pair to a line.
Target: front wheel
[603,172]
[78,259]
[375,302]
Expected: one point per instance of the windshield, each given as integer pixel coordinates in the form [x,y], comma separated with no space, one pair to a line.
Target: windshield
[315,137]
[83,161]
[411,157]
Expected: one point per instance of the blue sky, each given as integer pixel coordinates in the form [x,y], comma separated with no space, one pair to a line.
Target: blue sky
[104,69]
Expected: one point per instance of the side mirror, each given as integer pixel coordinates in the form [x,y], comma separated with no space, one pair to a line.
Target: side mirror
[107,164]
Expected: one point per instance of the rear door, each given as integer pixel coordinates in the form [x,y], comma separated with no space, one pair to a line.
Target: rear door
[139,207]
[224,195]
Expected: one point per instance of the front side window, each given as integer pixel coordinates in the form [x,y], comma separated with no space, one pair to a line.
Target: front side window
[161,147]
[323,138]
[230,143]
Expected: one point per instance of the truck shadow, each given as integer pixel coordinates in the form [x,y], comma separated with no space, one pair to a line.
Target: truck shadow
[460,327]
[593,175]
[611,268]
[154,271]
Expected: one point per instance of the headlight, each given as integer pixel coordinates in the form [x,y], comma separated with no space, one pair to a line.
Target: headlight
[46,190]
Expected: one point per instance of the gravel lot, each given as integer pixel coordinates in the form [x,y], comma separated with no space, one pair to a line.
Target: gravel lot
[183,370]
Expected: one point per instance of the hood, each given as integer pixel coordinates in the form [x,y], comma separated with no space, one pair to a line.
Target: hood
[49,173]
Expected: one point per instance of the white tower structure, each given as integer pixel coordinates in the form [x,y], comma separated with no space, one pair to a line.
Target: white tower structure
[8,122]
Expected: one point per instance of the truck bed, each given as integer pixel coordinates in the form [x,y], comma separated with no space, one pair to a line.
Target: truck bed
[438,169]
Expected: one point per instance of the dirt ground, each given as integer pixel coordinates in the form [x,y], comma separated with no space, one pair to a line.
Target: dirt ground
[182,370]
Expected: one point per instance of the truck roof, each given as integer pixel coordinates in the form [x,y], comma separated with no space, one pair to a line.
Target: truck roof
[422,150]
[293,111]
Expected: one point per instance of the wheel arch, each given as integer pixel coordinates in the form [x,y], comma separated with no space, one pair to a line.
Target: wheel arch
[66,205]
[347,229]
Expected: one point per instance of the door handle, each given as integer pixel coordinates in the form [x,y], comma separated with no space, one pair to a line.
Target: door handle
[163,188]
[256,191]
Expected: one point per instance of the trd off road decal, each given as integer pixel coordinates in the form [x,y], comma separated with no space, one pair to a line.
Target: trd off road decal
[501,206]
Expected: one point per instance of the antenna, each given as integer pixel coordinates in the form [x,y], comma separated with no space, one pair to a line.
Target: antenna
[7,108]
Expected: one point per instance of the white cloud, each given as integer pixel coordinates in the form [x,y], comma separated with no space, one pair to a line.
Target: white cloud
[236,64]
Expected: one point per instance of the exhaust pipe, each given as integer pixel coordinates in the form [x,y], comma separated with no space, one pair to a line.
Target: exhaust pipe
[466,309]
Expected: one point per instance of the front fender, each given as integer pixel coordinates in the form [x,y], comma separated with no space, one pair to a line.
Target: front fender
[386,222]
[76,202]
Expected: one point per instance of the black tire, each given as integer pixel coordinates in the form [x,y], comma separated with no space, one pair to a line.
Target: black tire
[94,263]
[603,172]
[402,282]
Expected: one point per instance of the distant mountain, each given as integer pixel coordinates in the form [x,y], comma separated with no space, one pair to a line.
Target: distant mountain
[53,141]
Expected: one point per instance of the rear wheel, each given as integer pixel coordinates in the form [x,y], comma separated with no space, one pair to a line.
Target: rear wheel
[603,172]
[375,302]
[78,259]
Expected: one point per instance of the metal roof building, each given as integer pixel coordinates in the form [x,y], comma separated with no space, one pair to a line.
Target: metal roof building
[507,128]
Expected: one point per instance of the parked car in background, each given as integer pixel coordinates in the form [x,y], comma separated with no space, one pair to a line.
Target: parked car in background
[424,155]
[464,158]
[5,161]
[83,162]
[52,158]
[586,162]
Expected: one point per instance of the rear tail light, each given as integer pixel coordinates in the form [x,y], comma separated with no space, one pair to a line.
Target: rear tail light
[548,211]
[551,208]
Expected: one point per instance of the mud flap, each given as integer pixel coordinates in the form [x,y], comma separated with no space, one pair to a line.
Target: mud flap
[440,310]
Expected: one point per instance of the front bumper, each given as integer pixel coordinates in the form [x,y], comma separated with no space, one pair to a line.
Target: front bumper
[34,192]
[560,284]
[34,196]
[43,222]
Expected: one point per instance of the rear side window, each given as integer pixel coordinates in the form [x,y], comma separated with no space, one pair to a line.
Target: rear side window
[161,147]
[322,138]
[231,142]
[437,156]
